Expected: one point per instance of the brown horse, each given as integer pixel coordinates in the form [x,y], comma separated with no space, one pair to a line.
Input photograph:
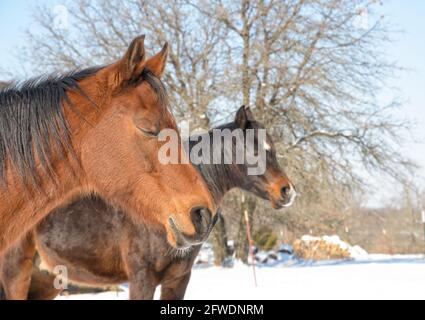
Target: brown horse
[100,246]
[94,132]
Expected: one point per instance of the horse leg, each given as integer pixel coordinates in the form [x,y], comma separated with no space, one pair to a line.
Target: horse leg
[177,276]
[175,288]
[41,287]
[142,285]
[2,292]
[16,269]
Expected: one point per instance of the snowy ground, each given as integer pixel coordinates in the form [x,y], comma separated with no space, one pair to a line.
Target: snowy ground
[371,277]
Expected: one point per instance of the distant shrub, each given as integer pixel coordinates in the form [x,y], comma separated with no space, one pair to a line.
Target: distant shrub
[265,239]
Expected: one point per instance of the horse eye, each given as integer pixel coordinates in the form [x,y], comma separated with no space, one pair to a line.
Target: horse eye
[149,133]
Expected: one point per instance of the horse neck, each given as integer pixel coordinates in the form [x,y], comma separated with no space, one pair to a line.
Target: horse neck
[31,208]
[220,178]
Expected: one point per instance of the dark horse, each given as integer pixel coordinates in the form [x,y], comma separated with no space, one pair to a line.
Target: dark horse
[99,245]
[94,132]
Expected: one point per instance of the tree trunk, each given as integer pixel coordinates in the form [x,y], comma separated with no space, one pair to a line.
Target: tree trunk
[246,80]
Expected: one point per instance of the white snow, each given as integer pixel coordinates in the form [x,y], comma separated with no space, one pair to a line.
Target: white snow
[372,277]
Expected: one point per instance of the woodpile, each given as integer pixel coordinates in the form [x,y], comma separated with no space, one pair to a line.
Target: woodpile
[320,249]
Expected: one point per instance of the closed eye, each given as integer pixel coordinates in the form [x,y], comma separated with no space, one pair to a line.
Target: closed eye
[148,133]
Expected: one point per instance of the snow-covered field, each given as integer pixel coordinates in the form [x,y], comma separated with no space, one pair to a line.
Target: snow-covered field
[371,277]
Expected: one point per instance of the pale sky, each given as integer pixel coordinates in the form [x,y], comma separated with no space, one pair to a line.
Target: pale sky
[408,51]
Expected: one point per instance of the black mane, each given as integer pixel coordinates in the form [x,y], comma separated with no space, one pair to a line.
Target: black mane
[155,83]
[219,177]
[33,125]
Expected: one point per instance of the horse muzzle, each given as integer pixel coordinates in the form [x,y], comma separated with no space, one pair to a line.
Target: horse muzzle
[287,197]
[203,222]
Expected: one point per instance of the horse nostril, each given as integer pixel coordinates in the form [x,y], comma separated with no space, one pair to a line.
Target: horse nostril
[285,191]
[201,218]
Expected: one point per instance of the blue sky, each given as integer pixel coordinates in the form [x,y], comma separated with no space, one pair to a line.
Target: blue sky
[408,51]
[15,18]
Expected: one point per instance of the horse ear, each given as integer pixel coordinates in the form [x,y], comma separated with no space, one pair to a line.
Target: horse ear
[243,117]
[156,64]
[249,114]
[132,64]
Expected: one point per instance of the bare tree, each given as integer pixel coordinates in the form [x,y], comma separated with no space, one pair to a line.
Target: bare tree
[100,30]
[311,70]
